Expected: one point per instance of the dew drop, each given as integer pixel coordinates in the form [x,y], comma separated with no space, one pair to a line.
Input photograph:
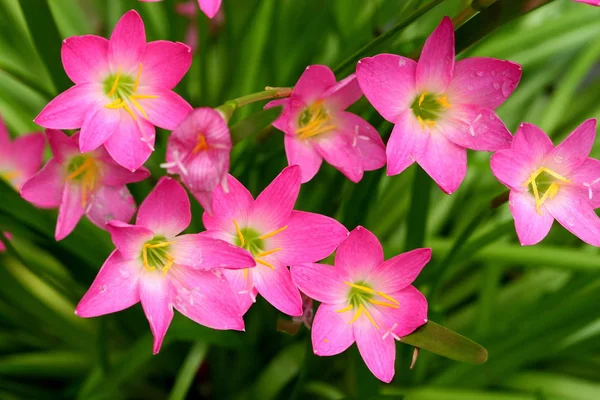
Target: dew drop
[493,73]
[496,86]
[559,159]
[402,62]
[507,87]
[480,73]
[470,87]
[124,273]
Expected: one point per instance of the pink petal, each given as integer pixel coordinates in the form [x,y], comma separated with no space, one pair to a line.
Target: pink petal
[331,334]
[63,147]
[273,206]
[98,126]
[590,2]
[366,140]
[337,149]
[209,7]
[166,210]
[531,227]
[165,64]
[235,203]
[28,151]
[475,128]
[444,161]
[406,143]
[85,58]
[206,298]
[68,109]
[379,354]
[111,203]
[116,175]
[157,304]
[485,82]
[206,170]
[302,153]
[511,168]
[320,282]
[127,43]
[45,189]
[132,143]
[343,94]
[167,111]
[277,287]
[199,251]
[114,289]
[308,238]
[574,213]
[388,82]
[290,114]
[129,239]
[587,179]
[359,254]
[72,208]
[315,80]
[242,285]
[532,142]
[205,199]
[411,314]
[4,135]
[400,271]
[575,149]
[436,64]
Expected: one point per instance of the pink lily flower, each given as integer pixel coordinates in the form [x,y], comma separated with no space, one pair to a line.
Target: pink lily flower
[20,159]
[316,126]
[548,183]
[439,109]
[198,150]
[208,7]
[365,299]
[591,2]
[90,184]
[123,89]
[275,234]
[155,265]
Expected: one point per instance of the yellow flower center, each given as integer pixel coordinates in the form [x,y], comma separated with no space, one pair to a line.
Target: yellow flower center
[84,170]
[427,108]
[360,294]
[123,90]
[155,255]
[253,241]
[201,144]
[544,185]
[313,121]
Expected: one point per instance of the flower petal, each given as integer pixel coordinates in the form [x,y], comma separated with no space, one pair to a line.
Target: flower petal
[62,146]
[411,314]
[231,202]
[511,168]
[485,82]
[331,334]
[337,149]
[209,7]
[400,271]
[242,284]
[114,289]
[98,126]
[302,153]
[575,149]
[132,143]
[587,179]
[388,82]
[273,206]
[277,287]
[309,237]
[165,64]
[111,203]
[532,142]
[127,42]
[366,140]
[531,227]
[436,63]
[315,80]
[28,151]
[116,175]
[45,189]
[406,143]
[167,111]
[156,299]
[72,208]
[359,254]
[85,58]
[475,128]
[166,210]
[343,94]
[69,109]
[320,282]
[574,213]
[129,239]
[199,251]
[378,353]
[444,161]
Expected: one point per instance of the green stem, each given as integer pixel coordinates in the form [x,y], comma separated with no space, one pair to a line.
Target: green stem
[186,374]
[229,107]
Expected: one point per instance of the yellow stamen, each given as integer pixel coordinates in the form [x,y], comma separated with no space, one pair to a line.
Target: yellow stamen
[550,192]
[360,287]
[143,96]
[263,262]
[368,314]
[350,307]
[168,265]
[422,98]
[113,89]
[390,298]
[443,100]
[358,313]
[118,103]
[201,145]
[239,233]
[271,234]
[126,107]
[318,122]
[138,106]
[169,260]
[137,78]
[383,303]
[245,273]
[158,245]
[430,123]
[266,253]
[421,122]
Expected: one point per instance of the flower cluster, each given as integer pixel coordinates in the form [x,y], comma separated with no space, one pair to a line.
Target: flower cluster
[440,108]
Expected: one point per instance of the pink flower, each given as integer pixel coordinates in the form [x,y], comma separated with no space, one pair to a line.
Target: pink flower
[89,183]
[275,234]
[439,109]
[591,2]
[123,88]
[548,183]
[21,158]
[198,151]
[156,265]
[208,7]
[365,299]
[8,236]
[317,127]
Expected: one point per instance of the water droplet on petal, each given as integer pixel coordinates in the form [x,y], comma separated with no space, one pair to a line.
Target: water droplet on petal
[507,87]
[493,73]
[102,289]
[470,87]
[496,86]
[402,62]
[480,73]
[124,273]
[559,159]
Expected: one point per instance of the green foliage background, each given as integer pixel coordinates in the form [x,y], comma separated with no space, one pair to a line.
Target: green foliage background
[535,309]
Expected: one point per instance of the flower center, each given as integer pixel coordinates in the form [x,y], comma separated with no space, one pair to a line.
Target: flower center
[253,241]
[359,297]
[122,89]
[201,144]
[543,185]
[155,254]
[313,121]
[427,108]
[84,171]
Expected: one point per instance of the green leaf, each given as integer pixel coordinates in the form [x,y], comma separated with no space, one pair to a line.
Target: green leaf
[439,340]
[45,364]
[188,371]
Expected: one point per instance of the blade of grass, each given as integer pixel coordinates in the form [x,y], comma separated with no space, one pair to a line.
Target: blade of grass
[188,370]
